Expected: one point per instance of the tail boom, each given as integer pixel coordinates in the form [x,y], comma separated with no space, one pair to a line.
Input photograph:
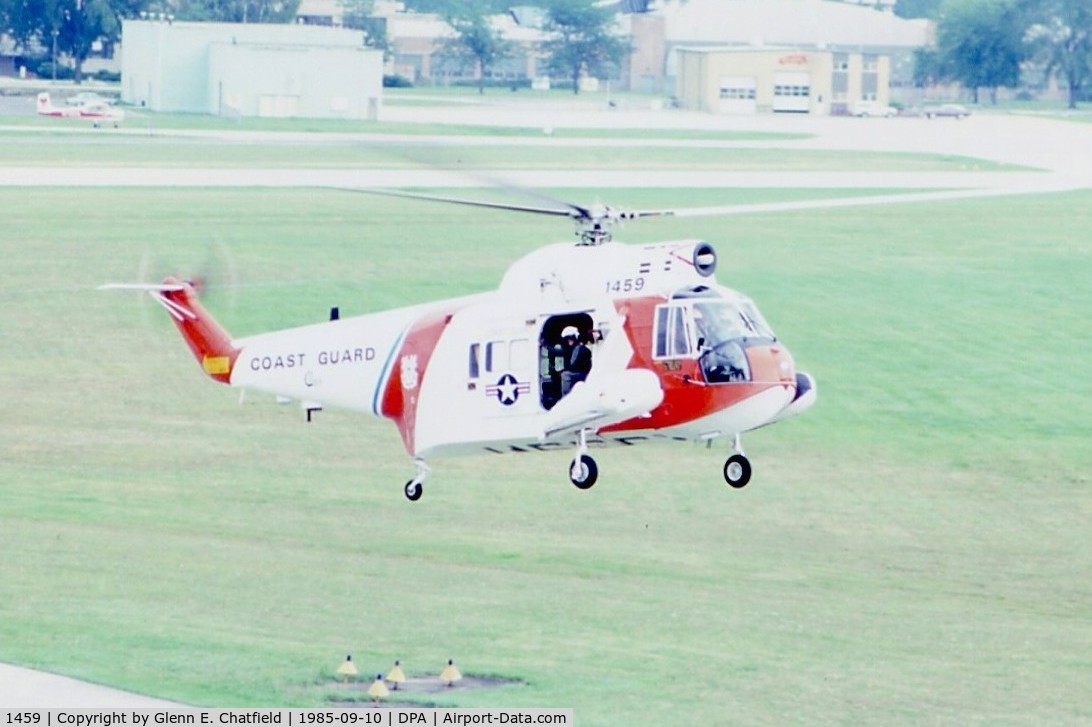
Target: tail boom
[210,343]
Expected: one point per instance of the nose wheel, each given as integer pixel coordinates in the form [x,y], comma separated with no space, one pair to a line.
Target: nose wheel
[416,487]
[737,468]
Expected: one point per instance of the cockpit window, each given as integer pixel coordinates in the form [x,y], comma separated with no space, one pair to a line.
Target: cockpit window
[722,320]
[758,324]
[673,336]
[714,330]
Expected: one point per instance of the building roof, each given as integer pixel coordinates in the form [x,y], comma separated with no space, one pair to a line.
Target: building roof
[812,23]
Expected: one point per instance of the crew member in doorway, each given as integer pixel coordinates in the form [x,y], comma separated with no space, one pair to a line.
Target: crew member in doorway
[578,359]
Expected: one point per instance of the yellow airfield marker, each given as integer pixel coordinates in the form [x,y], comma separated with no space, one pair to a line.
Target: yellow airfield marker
[396,676]
[347,670]
[378,689]
[450,674]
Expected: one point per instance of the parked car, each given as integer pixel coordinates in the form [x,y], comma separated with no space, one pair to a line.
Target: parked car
[864,109]
[86,98]
[953,110]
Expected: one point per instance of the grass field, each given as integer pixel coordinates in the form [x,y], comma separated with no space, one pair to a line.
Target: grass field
[913,550]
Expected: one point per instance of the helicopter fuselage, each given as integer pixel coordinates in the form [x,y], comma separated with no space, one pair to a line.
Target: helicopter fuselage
[673,355]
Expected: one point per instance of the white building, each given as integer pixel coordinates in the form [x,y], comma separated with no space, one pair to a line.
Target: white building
[242,69]
[806,25]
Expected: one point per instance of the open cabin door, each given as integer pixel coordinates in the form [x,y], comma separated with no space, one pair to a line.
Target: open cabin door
[555,354]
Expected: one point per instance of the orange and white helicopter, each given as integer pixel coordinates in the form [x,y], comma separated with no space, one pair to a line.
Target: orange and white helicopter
[674,354]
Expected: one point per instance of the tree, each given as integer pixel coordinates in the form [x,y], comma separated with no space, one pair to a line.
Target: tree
[1060,37]
[980,44]
[82,23]
[917,8]
[459,7]
[477,40]
[29,19]
[928,69]
[75,25]
[357,14]
[581,39]
[238,11]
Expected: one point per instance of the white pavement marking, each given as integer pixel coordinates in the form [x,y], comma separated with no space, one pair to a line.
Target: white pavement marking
[604,179]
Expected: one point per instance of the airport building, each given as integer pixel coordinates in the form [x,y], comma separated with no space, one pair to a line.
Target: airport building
[240,69]
[780,80]
[840,48]
[864,36]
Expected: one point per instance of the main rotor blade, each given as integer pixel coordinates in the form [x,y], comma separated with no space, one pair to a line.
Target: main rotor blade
[499,182]
[572,212]
[824,203]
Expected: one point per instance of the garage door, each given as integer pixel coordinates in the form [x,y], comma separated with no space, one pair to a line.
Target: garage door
[282,107]
[737,94]
[792,92]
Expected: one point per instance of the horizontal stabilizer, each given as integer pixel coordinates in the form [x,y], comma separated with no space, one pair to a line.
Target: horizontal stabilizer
[210,343]
[147,287]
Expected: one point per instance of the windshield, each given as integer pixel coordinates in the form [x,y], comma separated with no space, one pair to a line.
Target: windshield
[724,328]
[721,320]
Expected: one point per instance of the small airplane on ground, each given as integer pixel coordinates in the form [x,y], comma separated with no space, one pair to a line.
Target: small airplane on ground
[97,111]
[673,354]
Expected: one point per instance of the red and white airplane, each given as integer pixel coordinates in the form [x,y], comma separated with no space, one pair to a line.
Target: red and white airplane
[675,356]
[97,111]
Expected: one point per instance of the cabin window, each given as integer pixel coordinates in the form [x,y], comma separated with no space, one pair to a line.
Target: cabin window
[519,352]
[672,332]
[496,356]
[662,314]
[475,360]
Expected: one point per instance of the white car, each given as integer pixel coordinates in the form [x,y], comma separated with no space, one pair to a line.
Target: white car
[871,108]
[952,110]
[87,98]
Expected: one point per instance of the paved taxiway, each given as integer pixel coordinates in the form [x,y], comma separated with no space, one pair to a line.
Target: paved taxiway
[1056,154]
[27,688]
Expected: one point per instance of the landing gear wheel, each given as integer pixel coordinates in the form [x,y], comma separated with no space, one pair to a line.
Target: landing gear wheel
[414,490]
[737,471]
[583,472]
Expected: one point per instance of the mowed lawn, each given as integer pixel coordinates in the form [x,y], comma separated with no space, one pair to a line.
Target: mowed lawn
[915,549]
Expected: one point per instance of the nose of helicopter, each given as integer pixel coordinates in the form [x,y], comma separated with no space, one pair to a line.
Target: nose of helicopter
[772,364]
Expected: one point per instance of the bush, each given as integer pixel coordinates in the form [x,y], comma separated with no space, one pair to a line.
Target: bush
[107,76]
[512,83]
[45,70]
[397,81]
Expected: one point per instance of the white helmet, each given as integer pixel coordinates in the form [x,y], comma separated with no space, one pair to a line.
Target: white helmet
[570,332]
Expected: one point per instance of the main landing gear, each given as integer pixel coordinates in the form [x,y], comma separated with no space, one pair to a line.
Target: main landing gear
[737,468]
[415,487]
[583,471]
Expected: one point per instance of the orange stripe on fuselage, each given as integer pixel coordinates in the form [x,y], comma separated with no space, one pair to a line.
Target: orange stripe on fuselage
[409,366]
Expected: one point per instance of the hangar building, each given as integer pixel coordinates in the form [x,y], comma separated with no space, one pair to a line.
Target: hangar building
[844,29]
[780,80]
[241,69]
